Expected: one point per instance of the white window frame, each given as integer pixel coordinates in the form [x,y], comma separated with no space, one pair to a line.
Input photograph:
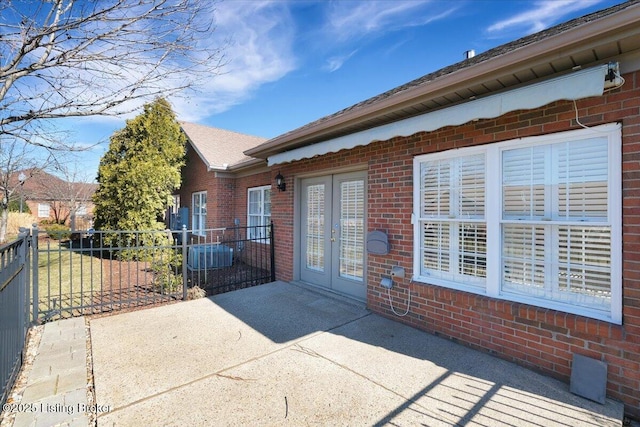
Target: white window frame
[199,218]
[44,210]
[263,218]
[175,204]
[492,286]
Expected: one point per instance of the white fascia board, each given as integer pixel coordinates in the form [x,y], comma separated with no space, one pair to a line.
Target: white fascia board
[576,85]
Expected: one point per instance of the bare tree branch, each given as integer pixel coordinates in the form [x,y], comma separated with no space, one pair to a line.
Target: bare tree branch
[72,58]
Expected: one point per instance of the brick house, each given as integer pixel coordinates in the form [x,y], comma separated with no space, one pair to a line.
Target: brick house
[508,186]
[50,198]
[219,183]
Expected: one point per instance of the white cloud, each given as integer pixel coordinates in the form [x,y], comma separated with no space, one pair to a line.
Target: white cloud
[334,63]
[352,20]
[261,51]
[348,22]
[544,14]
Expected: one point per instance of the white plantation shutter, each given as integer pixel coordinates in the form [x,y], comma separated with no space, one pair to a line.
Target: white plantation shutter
[472,249]
[584,261]
[454,235]
[555,185]
[255,203]
[471,191]
[435,240]
[523,253]
[548,207]
[435,189]
[523,182]
[351,240]
[315,227]
[583,179]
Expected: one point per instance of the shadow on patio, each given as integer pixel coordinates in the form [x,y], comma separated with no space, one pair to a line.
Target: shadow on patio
[281,354]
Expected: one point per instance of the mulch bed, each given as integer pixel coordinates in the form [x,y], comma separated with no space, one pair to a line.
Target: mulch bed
[221,280]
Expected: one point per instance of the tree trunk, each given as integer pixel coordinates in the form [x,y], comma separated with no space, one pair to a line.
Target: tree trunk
[4,219]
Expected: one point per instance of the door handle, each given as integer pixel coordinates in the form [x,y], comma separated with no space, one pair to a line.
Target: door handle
[333,235]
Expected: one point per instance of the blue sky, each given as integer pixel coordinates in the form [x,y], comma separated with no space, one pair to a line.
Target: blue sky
[291,62]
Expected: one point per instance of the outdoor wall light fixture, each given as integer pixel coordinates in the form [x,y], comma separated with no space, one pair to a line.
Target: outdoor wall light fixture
[282,186]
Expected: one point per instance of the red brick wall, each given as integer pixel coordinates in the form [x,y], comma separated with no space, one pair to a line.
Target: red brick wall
[220,208]
[538,338]
[226,195]
[195,177]
[240,195]
[32,206]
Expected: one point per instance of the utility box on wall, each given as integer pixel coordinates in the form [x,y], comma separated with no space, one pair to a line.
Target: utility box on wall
[378,243]
[177,220]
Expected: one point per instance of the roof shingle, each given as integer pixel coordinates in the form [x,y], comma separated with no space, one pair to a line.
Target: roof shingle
[219,148]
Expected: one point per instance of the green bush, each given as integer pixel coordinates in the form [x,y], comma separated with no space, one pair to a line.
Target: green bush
[14,206]
[166,268]
[58,231]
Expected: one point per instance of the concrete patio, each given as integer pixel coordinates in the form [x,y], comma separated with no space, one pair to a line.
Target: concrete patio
[280,354]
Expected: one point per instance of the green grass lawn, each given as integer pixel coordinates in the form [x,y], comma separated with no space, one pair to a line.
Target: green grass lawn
[65,274]
[79,281]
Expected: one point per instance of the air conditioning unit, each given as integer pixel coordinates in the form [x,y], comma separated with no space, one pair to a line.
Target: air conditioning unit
[204,257]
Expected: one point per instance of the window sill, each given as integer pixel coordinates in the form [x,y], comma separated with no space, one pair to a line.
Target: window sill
[522,299]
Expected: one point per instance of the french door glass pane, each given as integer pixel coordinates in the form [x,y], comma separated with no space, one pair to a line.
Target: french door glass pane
[315,227]
[352,230]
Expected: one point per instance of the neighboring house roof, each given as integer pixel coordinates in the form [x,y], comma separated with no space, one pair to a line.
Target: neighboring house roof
[220,149]
[588,40]
[42,186]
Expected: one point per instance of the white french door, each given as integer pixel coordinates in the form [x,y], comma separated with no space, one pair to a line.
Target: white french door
[332,231]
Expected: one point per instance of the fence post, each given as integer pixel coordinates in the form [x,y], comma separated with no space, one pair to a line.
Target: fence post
[34,275]
[184,262]
[24,260]
[273,252]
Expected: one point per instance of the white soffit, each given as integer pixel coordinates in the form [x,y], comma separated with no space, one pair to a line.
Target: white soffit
[577,85]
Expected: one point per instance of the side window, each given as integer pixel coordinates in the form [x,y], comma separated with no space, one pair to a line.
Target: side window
[43,210]
[199,212]
[258,212]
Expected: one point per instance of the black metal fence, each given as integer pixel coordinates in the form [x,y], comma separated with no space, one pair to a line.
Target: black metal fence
[104,271]
[14,309]
[225,259]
